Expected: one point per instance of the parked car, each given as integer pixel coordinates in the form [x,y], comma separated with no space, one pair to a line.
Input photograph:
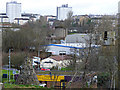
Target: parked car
[43,69]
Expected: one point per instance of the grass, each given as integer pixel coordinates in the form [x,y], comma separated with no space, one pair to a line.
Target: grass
[8,85]
[12,85]
[63,71]
[11,75]
[66,69]
[7,71]
[57,72]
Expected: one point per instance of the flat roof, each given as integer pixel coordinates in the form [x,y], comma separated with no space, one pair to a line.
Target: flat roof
[74,45]
[3,16]
[21,19]
[12,2]
[2,13]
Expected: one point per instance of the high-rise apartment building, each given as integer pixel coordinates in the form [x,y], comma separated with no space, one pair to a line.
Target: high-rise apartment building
[63,11]
[13,10]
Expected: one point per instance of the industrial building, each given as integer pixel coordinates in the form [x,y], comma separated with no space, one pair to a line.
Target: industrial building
[68,48]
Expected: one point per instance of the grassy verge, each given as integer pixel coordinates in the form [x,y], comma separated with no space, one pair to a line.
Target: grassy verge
[7,72]
[12,82]
[66,69]
[11,76]
[8,85]
[57,72]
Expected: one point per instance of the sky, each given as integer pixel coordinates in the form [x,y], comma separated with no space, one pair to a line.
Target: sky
[79,7]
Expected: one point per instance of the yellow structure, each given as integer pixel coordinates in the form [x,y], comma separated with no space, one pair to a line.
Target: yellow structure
[50,78]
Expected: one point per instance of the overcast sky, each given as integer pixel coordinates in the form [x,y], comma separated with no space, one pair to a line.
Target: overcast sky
[79,7]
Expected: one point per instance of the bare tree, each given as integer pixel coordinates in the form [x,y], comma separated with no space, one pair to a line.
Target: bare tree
[98,59]
[68,21]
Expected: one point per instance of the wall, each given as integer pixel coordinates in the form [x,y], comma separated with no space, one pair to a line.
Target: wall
[56,50]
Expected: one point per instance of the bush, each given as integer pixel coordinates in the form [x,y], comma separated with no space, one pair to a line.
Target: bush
[103,79]
[66,69]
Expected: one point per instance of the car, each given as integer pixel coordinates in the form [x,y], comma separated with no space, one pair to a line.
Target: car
[43,69]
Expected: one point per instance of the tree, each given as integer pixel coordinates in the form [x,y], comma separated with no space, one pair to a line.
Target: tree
[97,59]
[106,30]
[69,15]
[68,21]
[31,34]
[118,58]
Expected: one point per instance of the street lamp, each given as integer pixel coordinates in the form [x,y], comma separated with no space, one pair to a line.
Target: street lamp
[9,62]
[38,58]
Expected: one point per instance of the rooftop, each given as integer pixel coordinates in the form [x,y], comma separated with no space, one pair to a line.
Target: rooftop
[74,45]
[60,57]
[13,2]
[21,19]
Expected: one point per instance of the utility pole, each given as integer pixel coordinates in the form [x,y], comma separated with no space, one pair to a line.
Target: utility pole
[9,62]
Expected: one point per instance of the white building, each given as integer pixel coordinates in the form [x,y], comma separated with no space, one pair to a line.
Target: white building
[3,18]
[77,38]
[63,11]
[50,19]
[31,16]
[13,10]
[59,61]
[35,61]
[21,21]
[67,48]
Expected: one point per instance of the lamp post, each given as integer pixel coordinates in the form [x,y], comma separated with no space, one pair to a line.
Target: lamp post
[9,62]
[38,58]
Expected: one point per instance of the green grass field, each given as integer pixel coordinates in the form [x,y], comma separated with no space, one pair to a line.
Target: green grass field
[11,75]
[13,85]
[7,72]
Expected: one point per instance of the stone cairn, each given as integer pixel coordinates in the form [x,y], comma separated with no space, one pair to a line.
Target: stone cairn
[27,74]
